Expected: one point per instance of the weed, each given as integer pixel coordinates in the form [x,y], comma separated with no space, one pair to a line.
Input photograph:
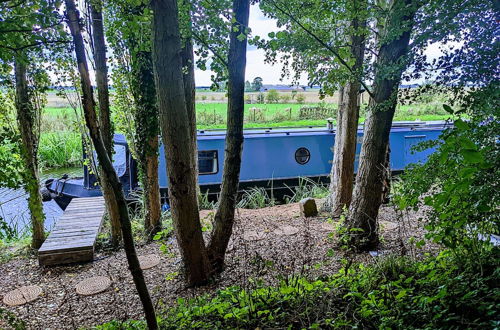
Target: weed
[306,188]
[255,198]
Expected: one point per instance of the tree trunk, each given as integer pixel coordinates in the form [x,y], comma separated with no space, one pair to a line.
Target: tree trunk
[88,103]
[26,119]
[147,130]
[342,174]
[224,217]
[190,88]
[390,64]
[177,140]
[101,75]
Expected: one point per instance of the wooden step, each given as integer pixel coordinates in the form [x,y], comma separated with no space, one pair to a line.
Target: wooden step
[73,237]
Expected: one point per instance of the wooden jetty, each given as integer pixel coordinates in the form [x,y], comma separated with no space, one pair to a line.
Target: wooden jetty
[73,237]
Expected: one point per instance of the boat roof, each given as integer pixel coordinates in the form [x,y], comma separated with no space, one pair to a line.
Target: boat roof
[308,130]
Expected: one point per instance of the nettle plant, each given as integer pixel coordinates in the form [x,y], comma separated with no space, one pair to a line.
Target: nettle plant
[460,185]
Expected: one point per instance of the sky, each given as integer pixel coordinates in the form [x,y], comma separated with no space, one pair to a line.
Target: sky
[261,26]
[271,74]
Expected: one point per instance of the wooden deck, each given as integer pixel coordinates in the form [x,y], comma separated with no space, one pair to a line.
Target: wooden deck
[73,237]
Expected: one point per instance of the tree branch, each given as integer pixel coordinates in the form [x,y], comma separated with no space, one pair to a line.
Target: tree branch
[204,43]
[14,49]
[322,43]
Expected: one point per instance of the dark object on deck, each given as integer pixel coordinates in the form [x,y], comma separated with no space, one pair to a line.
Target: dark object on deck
[75,233]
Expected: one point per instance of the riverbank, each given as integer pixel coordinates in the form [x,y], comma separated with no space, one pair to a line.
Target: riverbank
[267,244]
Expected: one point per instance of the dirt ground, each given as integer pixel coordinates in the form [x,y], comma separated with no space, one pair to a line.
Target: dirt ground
[279,252]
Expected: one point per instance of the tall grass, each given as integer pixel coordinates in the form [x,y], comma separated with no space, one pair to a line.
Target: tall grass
[306,188]
[60,149]
[256,198]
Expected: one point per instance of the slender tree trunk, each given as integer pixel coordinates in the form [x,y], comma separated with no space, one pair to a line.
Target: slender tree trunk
[147,142]
[26,119]
[104,114]
[177,140]
[73,19]
[391,62]
[342,174]
[224,217]
[190,88]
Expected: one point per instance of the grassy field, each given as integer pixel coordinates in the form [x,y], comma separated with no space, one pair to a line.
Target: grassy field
[213,115]
[60,144]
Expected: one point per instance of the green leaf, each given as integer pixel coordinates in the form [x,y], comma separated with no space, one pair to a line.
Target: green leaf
[472,156]
[448,109]
[462,125]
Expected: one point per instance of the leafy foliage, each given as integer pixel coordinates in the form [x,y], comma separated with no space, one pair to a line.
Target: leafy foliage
[395,292]
[460,181]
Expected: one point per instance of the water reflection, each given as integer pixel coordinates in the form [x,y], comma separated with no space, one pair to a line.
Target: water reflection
[14,203]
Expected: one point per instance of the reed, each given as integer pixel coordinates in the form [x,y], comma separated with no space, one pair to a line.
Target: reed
[60,149]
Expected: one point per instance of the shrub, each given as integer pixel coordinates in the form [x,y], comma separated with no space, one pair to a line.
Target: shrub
[272,96]
[261,98]
[285,98]
[300,98]
[459,185]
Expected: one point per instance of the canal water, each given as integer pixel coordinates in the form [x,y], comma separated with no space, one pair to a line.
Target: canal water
[14,205]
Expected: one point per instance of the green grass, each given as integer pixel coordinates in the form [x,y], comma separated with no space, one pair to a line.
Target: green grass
[60,145]
[60,149]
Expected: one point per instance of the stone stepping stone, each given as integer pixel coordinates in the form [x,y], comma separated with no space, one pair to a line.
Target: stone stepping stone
[93,285]
[286,231]
[22,295]
[253,235]
[149,261]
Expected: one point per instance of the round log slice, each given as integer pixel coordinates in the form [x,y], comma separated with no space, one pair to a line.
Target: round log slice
[22,295]
[149,261]
[93,285]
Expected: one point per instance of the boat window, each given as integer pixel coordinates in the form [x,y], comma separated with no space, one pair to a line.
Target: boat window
[119,159]
[302,156]
[208,162]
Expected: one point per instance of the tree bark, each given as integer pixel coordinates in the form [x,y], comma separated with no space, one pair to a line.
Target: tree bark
[104,114]
[342,173]
[26,119]
[190,88]
[391,62]
[177,140]
[72,16]
[224,217]
[147,142]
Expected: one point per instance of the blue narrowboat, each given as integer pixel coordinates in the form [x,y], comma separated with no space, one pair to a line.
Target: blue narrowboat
[273,157]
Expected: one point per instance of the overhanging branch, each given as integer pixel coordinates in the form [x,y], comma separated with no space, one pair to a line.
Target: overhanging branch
[322,43]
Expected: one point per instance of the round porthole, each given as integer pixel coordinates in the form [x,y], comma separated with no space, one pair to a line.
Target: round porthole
[302,156]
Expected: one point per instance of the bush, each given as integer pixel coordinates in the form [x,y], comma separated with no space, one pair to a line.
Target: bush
[458,182]
[285,98]
[300,98]
[272,96]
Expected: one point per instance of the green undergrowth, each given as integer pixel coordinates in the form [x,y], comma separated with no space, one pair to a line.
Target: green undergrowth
[392,293]
[60,149]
